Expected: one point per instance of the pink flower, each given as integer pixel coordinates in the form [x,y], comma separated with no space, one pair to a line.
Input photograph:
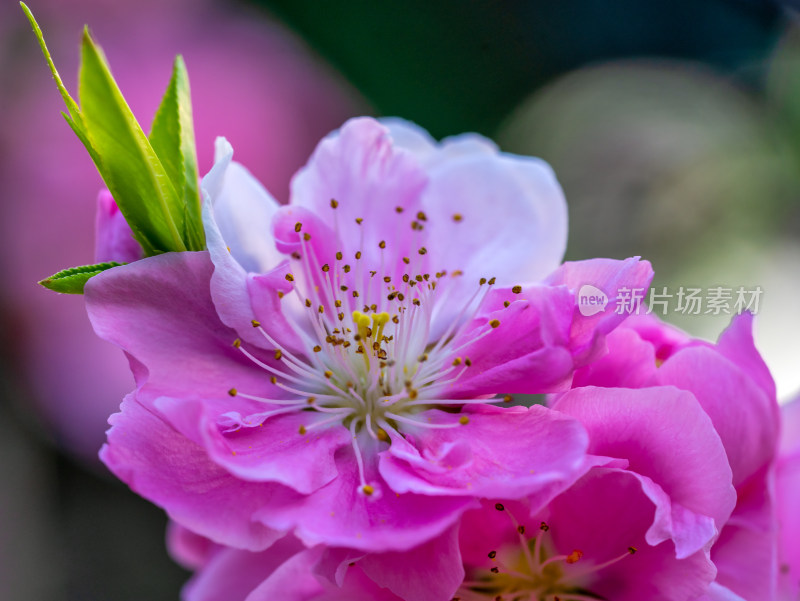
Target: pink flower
[613,534]
[787,495]
[734,387]
[330,370]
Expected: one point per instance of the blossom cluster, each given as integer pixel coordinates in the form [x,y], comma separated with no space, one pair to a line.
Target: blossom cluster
[327,398]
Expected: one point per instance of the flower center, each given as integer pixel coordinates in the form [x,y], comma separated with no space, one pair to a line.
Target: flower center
[529,571]
[371,360]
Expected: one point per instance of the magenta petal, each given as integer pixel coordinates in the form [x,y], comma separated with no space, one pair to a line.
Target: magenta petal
[529,352]
[160,312]
[502,452]
[737,344]
[114,239]
[188,548]
[430,572]
[340,515]
[603,514]
[176,474]
[233,574]
[270,450]
[666,437]
[742,413]
[611,277]
[629,363]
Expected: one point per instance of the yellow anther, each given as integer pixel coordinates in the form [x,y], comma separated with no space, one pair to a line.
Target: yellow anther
[422,250]
[237,343]
[358,254]
[298,226]
[463,420]
[367,489]
[329,374]
[494,323]
[339,255]
[575,556]
[506,304]
[382,244]
[301,430]
[326,268]
[306,236]
[278,354]
[289,277]
[382,435]
[273,380]
[280,294]
[398,209]
[334,203]
[508,398]
[232,392]
[516,289]
[317,348]
[359,220]
[308,302]
[457,361]
[482,281]
[632,550]
[457,217]
[255,323]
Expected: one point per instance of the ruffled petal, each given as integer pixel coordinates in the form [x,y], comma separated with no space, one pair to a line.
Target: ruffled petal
[742,413]
[159,311]
[340,515]
[177,475]
[617,280]
[233,574]
[501,452]
[667,437]
[430,572]
[604,514]
[260,447]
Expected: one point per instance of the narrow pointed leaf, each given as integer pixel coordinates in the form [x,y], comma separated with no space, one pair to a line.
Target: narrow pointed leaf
[73,280]
[129,165]
[172,138]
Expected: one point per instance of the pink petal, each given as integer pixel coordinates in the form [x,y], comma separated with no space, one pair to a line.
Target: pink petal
[667,437]
[176,474]
[529,352]
[430,572]
[114,239]
[359,167]
[742,413]
[270,450]
[160,312]
[502,452]
[233,574]
[340,515]
[611,277]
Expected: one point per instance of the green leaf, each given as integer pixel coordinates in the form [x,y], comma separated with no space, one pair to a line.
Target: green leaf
[73,280]
[130,167]
[155,184]
[172,138]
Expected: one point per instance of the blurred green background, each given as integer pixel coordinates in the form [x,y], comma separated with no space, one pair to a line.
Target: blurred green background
[673,126]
